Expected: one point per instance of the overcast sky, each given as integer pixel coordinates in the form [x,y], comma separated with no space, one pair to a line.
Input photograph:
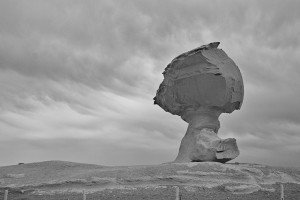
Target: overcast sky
[77,78]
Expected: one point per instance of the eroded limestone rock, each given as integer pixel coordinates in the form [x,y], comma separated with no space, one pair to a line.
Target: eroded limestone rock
[199,86]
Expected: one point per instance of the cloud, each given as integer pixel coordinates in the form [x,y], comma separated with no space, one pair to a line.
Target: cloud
[73,70]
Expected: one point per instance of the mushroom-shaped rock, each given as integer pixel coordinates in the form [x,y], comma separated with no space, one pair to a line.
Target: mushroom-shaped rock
[199,85]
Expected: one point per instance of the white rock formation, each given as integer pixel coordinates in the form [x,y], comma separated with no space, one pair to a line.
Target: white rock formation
[199,86]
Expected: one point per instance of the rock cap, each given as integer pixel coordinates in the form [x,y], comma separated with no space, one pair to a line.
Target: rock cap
[202,77]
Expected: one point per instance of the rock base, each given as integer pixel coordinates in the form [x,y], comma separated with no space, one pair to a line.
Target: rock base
[205,145]
[209,147]
[201,142]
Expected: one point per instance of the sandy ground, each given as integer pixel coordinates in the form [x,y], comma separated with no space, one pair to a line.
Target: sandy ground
[66,180]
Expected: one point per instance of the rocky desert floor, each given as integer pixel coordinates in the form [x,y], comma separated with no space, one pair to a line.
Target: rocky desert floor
[59,180]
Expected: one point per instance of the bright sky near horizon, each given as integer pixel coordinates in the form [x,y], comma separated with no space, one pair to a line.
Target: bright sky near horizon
[77,78]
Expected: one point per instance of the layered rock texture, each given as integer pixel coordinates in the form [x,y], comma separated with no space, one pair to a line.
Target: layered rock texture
[199,86]
[52,180]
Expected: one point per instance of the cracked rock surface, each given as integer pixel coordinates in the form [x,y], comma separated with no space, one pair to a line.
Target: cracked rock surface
[212,180]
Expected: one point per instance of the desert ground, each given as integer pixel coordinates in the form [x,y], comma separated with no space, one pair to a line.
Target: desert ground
[52,180]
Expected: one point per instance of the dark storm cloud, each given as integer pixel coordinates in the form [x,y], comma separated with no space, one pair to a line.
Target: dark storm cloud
[90,69]
[85,43]
[90,42]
